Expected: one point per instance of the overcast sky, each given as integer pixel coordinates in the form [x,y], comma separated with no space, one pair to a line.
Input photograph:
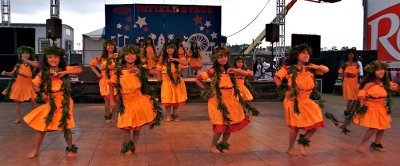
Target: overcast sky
[339,24]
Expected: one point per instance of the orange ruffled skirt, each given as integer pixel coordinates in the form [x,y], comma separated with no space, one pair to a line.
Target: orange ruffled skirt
[235,109]
[22,89]
[310,116]
[376,116]
[246,94]
[37,117]
[138,111]
[171,94]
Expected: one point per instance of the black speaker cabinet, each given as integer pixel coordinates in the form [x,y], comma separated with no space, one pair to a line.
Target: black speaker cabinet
[272,33]
[11,38]
[53,28]
[313,41]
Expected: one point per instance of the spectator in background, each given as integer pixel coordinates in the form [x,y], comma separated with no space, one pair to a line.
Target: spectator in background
[257,69]
[267,73]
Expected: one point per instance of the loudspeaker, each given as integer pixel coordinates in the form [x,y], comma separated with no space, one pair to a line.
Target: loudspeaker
[26,37]
[53,28]
[7,41]
[12,38]
[272,33]
[313,41]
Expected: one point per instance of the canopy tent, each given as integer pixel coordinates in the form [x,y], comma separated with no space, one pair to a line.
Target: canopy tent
[92,45]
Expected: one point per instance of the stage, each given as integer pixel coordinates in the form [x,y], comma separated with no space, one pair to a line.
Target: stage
[263,142]
[88,91]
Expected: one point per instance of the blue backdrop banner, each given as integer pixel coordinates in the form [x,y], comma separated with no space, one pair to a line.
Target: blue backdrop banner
[127,24]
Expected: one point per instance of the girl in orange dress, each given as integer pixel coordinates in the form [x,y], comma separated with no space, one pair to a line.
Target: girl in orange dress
[134,108]
[173,88]
[181,49]
[195,55]
[20,88]
[107,61]
[349,71]
[150,53]
[241,72]
[375,109]
[54,86]
[300,111]
[226,108]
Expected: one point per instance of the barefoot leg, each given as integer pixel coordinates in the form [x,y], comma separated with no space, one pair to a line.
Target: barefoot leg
[292,139]
[367,136]
[38,142]
[225,138]
[215,139]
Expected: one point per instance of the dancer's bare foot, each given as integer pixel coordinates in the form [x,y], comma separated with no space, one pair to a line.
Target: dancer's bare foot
[303,150]
[128,153]
[214,149]
[226,151]
[291,152]
[17,121]
[70,155]
[168,118]
[32,155]
[361,149]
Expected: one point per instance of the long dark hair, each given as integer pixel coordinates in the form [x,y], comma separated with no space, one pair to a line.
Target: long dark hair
[347,52]
[53,51]
[104,53]
[295,51]
[216,54]
[165,54]
[29,50]
[150,44]
[195,50]
[133,49]
[371,76]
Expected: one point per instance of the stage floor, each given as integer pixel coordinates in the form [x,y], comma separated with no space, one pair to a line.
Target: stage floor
[263,142]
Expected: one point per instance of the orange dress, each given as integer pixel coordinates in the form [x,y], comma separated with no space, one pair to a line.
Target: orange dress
[138,108]
[195,63]
[37,117]
[181,52]
[244,92]
[22,88]
[171,94]
[103,82]
[236,113]
[376,116]
[310,116]
[150,57]
[350,83]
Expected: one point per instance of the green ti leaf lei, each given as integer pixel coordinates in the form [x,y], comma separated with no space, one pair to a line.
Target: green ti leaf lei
[171,76]
[45,87]
[108,63]
[315,94]
[246,106]
[386,85]
[14,77]
[248,85]
[145,89]
[221,105]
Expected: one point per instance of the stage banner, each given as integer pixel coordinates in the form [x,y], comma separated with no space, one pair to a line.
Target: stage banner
[128,23]
[383,26]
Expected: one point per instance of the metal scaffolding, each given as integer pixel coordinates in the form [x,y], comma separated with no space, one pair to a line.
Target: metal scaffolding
[5,13]
[54,8]
[280,15]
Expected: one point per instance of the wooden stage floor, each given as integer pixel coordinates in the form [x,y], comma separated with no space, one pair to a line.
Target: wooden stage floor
[263,142]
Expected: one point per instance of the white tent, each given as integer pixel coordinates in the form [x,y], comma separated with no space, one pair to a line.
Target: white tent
[92,45]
